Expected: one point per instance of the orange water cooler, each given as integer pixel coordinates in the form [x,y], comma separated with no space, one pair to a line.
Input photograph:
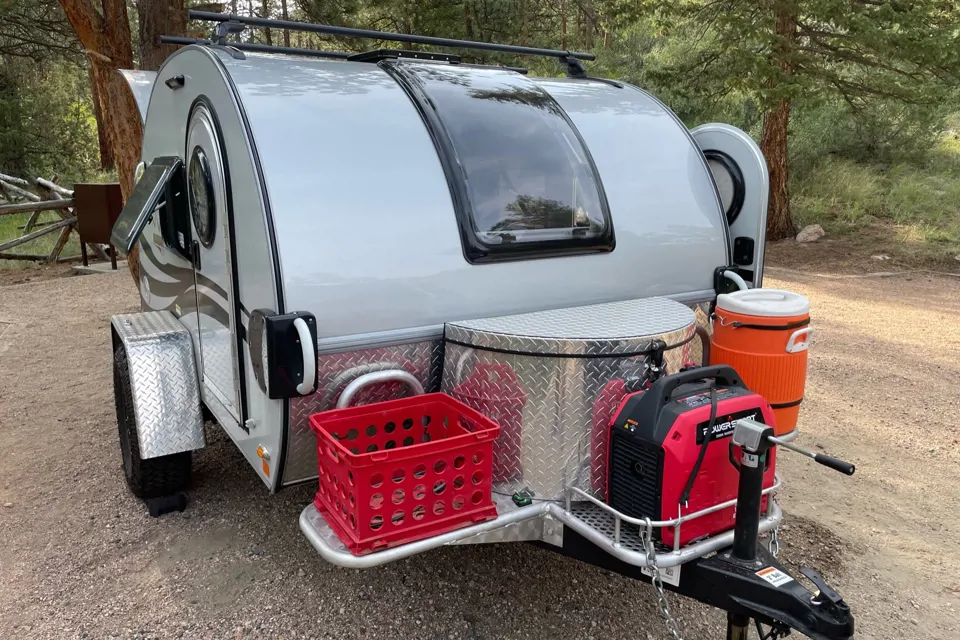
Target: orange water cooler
[763,334]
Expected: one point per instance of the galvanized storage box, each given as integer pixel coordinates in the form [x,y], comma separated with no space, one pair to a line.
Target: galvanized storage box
[553,380]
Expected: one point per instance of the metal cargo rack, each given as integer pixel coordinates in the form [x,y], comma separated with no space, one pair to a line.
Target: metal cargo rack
[544,521]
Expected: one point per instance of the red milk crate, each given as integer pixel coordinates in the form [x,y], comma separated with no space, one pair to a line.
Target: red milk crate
[403,470]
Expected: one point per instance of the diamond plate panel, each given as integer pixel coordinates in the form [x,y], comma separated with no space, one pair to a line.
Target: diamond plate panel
[543,528]
[610,328]
[554,411]
[163,376]
[702,313]
[422,359]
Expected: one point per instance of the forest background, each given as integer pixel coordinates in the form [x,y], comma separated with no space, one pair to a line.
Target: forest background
[855,103]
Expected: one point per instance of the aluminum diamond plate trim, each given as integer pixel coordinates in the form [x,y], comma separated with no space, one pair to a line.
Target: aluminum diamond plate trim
[610,328]
[543,528]
[554,411]
[422,359]
[163,376]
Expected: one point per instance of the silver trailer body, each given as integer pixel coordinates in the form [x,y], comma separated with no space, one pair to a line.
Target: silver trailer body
[321,230]
[319,187]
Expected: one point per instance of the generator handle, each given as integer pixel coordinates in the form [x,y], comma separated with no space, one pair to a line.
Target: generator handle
[722,373]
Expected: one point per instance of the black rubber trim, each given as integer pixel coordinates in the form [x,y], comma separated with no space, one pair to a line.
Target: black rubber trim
[612,83]
[736,175]
[475,251]
[272,233]
[579,356]
[786,405]
[232,239]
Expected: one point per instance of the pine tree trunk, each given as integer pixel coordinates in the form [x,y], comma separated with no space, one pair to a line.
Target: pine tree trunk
[525,24]
[106,37]
[265,10]
[773,144]
[468,20]
[285,16]
[563,25]
[106,152]
[159,18]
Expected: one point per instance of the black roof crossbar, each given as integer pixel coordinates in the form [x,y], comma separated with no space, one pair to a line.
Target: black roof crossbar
[233,22]
[265,48]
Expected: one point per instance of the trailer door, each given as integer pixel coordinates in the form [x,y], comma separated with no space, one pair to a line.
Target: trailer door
[740,173]
[216,328]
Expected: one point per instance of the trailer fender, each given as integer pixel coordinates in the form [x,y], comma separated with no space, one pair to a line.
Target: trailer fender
[163,377]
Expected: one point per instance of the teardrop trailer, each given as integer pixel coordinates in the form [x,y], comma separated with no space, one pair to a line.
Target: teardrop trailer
[471,306]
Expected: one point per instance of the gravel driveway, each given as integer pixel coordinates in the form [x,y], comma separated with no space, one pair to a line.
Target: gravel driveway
[80,558]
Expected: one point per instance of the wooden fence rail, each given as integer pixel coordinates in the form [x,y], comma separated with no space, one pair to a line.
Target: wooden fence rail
[49,197]
[43,205]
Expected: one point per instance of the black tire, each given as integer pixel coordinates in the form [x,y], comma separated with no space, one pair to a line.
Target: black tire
[153,477]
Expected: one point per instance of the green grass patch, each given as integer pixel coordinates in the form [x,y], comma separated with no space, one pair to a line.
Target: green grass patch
[12,227]
[917,204]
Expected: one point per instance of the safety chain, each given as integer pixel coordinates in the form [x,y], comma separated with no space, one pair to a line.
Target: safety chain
[646,537]
[774,542]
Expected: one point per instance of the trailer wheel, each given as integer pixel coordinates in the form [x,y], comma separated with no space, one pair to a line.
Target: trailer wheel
[153,477]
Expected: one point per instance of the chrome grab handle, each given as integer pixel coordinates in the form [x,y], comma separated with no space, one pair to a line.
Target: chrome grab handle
[377,377]
[308,349]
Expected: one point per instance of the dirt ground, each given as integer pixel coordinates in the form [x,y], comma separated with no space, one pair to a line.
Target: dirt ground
[80,558]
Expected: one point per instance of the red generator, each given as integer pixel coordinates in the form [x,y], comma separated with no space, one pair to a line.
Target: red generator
[671,453]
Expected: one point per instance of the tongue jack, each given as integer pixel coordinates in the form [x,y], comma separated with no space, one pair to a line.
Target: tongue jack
[755,441]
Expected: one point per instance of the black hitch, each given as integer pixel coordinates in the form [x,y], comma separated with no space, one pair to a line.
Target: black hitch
[764,590]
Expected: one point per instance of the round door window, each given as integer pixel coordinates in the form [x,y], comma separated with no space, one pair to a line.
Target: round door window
[202,203]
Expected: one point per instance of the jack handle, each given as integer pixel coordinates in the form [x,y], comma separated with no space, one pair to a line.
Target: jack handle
[827,461]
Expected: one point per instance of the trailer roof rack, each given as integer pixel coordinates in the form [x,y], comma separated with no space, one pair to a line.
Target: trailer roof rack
[230,23]
[265,48]
[235,48]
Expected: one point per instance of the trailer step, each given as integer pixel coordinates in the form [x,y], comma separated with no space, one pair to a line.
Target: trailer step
[514,524]
[540,521]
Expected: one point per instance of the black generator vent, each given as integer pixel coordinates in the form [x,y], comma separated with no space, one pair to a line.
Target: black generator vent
[636,475]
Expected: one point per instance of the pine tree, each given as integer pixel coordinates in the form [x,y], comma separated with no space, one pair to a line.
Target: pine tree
[780,52]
